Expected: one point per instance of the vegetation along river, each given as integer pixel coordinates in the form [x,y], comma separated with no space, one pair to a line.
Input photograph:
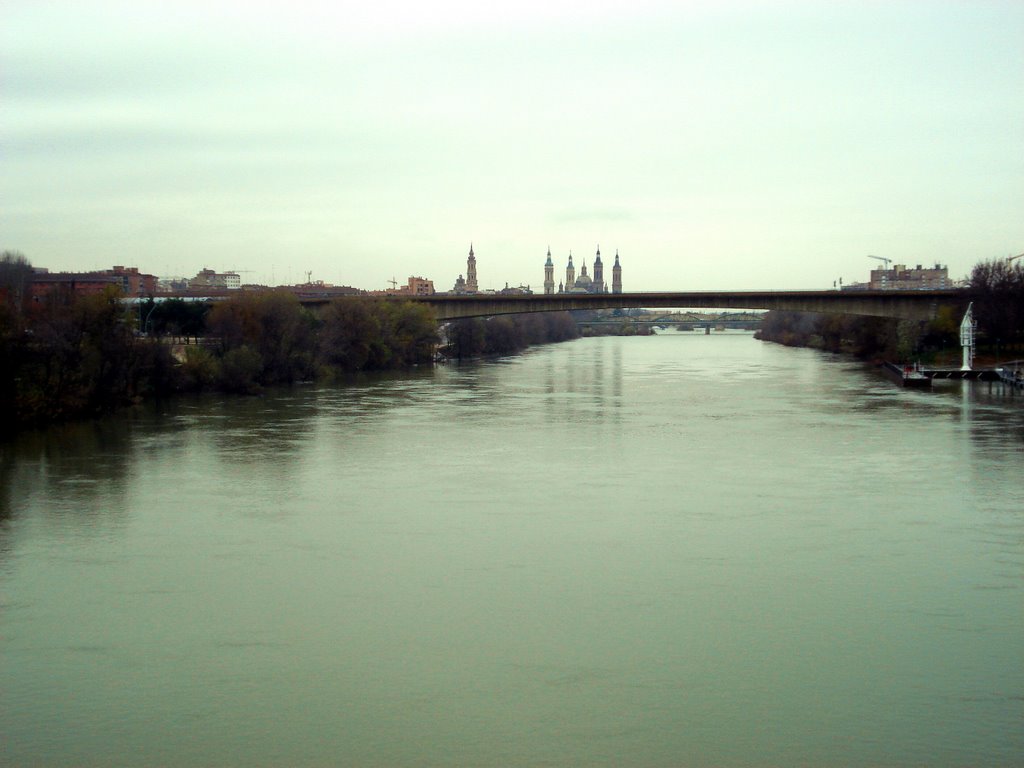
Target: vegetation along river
[672,550]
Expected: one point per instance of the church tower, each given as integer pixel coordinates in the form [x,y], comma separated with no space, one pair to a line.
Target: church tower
[570,274]
[549,274]
[598,273]
[471,286]
[616,275]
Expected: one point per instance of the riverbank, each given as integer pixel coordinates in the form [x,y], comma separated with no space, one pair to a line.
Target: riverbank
[866,338]
[899,348]
[72,356]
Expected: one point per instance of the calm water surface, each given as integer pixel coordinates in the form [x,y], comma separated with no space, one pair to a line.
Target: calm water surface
[679,550]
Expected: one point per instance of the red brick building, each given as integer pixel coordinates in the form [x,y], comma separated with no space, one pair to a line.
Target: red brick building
[82,283]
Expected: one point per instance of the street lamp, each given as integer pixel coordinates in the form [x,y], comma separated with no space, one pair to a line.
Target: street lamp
[145,325]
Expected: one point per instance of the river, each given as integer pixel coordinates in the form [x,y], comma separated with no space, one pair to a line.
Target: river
[671,550]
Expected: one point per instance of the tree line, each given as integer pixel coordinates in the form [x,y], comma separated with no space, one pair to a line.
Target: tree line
[996,288]
[868,338]
[65,355]
[507,334]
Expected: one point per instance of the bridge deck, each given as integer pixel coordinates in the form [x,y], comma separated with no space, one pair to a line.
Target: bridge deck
[912,305]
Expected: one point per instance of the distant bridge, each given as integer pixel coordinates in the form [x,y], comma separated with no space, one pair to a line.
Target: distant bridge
[681,321]
[907,305]
[686,325]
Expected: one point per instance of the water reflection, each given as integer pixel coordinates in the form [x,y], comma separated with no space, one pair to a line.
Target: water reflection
[588,390]
[81,469]
[8,466]
[268,431]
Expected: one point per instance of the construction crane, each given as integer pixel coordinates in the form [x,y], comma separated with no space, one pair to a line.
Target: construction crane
[394,283]
[881,258]
[1011,259]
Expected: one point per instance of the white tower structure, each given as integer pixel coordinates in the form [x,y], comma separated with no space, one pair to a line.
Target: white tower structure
[967,326]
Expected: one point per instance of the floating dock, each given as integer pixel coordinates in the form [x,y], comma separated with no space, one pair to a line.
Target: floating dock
[916,376]
[1012,374]
[906,375]
[983,374]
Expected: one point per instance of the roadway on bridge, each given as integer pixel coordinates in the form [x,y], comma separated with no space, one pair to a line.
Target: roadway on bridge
[911,305]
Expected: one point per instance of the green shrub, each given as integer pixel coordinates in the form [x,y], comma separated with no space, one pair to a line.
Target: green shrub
[239,370]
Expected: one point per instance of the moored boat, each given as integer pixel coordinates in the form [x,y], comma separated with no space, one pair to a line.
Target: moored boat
[907,375]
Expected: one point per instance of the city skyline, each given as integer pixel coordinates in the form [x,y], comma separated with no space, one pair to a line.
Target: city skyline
[738,145]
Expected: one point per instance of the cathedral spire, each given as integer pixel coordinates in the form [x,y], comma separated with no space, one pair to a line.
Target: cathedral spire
[471,284]
[549,274]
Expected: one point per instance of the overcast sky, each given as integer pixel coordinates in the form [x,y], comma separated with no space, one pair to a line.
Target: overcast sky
[715,145]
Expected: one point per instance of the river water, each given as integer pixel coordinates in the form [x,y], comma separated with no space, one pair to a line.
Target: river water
[675,550]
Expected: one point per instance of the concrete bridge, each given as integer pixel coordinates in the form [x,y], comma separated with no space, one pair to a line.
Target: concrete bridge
[906,305]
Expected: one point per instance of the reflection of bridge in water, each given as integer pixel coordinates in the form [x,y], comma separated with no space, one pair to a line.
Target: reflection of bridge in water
[908,305]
